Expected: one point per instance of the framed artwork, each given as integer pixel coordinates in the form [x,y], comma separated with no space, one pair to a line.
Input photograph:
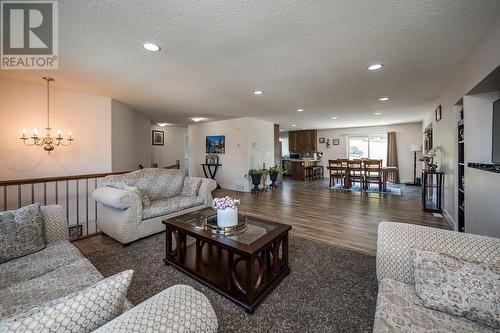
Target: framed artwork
[216,144]
[158,138]
[321,140]
[335,142]
[438,113]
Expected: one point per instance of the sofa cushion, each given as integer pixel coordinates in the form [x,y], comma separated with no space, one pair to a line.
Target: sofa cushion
[25,268]
[82,311]
[170,206]
[21,232]
[399,309]
[191,187]
[459,287]
[122,186]
[154,182]
[62,281]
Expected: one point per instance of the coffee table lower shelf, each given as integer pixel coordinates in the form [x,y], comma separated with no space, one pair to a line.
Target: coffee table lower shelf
[246,279]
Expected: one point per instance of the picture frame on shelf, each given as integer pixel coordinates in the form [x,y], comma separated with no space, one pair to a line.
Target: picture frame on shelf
[438,113]
[321,140]
[335,142]
[158,138]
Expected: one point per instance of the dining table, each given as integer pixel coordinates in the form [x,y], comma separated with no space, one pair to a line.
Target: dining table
[385,175]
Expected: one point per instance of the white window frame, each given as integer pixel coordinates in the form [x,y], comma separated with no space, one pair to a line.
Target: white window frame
[367,135]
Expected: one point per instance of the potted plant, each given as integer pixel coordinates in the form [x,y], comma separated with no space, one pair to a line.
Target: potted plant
[273,175]
[428,158]
[227,211]
[256,176]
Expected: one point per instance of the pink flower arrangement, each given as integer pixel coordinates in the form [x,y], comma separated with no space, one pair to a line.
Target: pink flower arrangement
[225,202]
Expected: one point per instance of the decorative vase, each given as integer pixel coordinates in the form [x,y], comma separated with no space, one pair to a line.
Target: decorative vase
[256,182]
[227,217]
[274,178]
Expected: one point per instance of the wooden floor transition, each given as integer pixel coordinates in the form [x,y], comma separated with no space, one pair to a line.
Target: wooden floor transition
[338,217]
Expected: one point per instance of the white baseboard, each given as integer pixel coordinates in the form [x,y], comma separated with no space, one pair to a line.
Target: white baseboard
[450,221]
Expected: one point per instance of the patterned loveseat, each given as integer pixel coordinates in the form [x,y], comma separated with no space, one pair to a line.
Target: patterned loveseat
[29,284]
[133,205]
[399,308]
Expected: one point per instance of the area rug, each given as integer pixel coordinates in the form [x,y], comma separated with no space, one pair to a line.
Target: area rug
[329,289]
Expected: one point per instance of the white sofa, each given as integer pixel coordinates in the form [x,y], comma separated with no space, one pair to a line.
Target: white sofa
[399,308]
[60,269]
[133,205]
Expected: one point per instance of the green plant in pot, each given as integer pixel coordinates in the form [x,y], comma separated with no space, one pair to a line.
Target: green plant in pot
[256,176]
[273,175]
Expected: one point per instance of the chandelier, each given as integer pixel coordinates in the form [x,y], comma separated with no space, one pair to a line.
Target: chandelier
[47,142]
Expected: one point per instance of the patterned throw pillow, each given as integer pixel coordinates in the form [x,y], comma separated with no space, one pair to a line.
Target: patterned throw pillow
[459,287]
[191,187]
[21,232]
[82,311]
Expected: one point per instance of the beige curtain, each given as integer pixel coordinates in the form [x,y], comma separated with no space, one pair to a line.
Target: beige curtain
[392,157]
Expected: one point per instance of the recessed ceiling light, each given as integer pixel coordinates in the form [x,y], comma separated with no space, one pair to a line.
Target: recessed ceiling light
[294,125]
[383,99]
[151,47]
[377,113]
[197,119]
[163,124]
[375,67]
[258,92]
[300,110]
[335,118]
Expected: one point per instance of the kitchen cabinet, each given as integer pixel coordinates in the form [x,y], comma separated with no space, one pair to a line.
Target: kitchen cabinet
[302,141]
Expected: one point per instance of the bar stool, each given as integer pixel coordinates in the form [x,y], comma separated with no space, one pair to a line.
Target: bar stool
[309,173]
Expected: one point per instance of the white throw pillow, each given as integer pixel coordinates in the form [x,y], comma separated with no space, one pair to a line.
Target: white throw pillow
[82,311]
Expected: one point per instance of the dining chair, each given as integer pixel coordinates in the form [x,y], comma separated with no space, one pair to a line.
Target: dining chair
[336,172]
[355,173]
[373,173]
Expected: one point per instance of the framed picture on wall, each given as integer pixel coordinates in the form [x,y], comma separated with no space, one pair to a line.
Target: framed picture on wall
[216,144]
[321,140]
[438,113]
[335,142]
[158,138]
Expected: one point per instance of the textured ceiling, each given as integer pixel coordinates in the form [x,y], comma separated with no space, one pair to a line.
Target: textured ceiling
[307,54]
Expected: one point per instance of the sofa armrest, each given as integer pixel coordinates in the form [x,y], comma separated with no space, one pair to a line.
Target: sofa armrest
[55,224]
[396,242]
[177,309]
[116,198]
[206,188]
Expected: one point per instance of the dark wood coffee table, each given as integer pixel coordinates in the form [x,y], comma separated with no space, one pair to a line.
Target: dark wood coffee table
[244,268]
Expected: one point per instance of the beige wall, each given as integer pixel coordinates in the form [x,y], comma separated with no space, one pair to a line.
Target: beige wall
[482,61]
[131,138]
[23,105]
[249,142]
[174,146]
[406,134]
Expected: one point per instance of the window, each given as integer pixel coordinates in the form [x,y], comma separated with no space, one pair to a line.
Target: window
[372,146]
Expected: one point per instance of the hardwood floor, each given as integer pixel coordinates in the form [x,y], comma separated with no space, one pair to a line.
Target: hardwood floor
[340,218]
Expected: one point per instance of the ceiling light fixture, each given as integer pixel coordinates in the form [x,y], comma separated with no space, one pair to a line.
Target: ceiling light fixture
[163,124]
[300,110]
[383,99]
[375,67]
[48,142]
[197,119]
[258,92]
[377,113]
[335,118]
[294,125]
[151,47]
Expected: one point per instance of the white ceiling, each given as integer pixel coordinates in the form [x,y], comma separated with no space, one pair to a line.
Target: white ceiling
[307,54]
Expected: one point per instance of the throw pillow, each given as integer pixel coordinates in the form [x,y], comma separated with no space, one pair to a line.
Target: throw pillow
[144,197]
[191,187]
[462,288]
[82,311]
[21,232]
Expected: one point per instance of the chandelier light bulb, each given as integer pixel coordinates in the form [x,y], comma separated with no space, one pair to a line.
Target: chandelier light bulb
[24,132]
[70,134]
[35,132]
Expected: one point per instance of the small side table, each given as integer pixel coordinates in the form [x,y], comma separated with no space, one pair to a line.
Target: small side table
[210,170]
[432,191]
